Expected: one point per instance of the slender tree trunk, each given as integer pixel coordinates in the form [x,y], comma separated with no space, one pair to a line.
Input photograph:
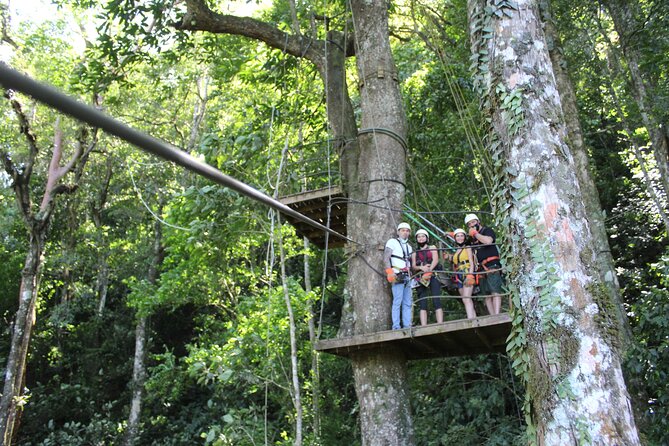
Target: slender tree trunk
[139,363]
[626,19]
[316,378]
[138,379]
[341,117]
[315,375]
[97,207]
[380,377]
[38,224]
[199,110]
[567,355]
[11,404]
[612,68]
[102,284]
[296,393]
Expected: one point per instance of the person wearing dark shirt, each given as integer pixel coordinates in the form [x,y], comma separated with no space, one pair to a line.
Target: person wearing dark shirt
[424,262]
[489,266]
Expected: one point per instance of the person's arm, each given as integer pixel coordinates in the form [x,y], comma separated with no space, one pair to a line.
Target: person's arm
[435,257]
[387,254]
[483,239]
[390,272]
[414,267]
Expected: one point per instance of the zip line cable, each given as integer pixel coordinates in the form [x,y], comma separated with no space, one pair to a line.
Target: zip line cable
[48,95]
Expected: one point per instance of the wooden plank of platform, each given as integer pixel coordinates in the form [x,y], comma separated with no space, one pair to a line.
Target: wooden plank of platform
[314,204]
[485,334]
[317,194]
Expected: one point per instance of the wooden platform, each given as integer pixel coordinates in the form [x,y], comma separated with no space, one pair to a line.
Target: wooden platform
[314,204]
[485,334]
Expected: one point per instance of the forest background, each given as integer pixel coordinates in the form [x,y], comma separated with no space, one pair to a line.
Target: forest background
[141,249]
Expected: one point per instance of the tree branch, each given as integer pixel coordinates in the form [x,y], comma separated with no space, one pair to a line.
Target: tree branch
[56,172]
[24,128]
[199,17]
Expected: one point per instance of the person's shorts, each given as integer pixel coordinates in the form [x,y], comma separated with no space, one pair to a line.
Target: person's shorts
[491,283]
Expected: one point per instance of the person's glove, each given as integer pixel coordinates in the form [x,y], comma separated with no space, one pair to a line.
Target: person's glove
[451,234]
[473,232]
[390,275]
[469,280]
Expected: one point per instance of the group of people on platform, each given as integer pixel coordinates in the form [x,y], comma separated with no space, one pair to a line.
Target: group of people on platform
[475,261]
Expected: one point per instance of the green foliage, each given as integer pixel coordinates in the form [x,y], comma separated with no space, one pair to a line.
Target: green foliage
[466,401]
[649,357]
[218,324]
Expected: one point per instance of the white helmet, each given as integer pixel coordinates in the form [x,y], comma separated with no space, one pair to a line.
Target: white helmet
[424,232]
[470,217]
[459,231]
[403,226]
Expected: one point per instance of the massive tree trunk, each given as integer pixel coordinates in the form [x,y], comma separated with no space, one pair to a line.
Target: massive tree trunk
[589,193]
[564,350]
[628,20]
[380,377]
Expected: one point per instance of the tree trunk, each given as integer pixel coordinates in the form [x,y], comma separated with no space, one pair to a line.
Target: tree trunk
[589,193]
[380,377]
[627,20]
[97,207]
[613,68]
[316,378]
[11,404]
[564,350]
[139,364]
[138,379]
[296,393]
[102,284]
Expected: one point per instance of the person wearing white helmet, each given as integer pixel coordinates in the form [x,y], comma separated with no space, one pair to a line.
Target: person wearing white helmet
[489,266]
[424,261]
[463,265]
[397,259]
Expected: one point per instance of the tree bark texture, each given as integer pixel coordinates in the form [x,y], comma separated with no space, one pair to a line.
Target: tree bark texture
[589,193]
[627,20]
[138,379]
[575,386]
[380,378]
[10,404]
